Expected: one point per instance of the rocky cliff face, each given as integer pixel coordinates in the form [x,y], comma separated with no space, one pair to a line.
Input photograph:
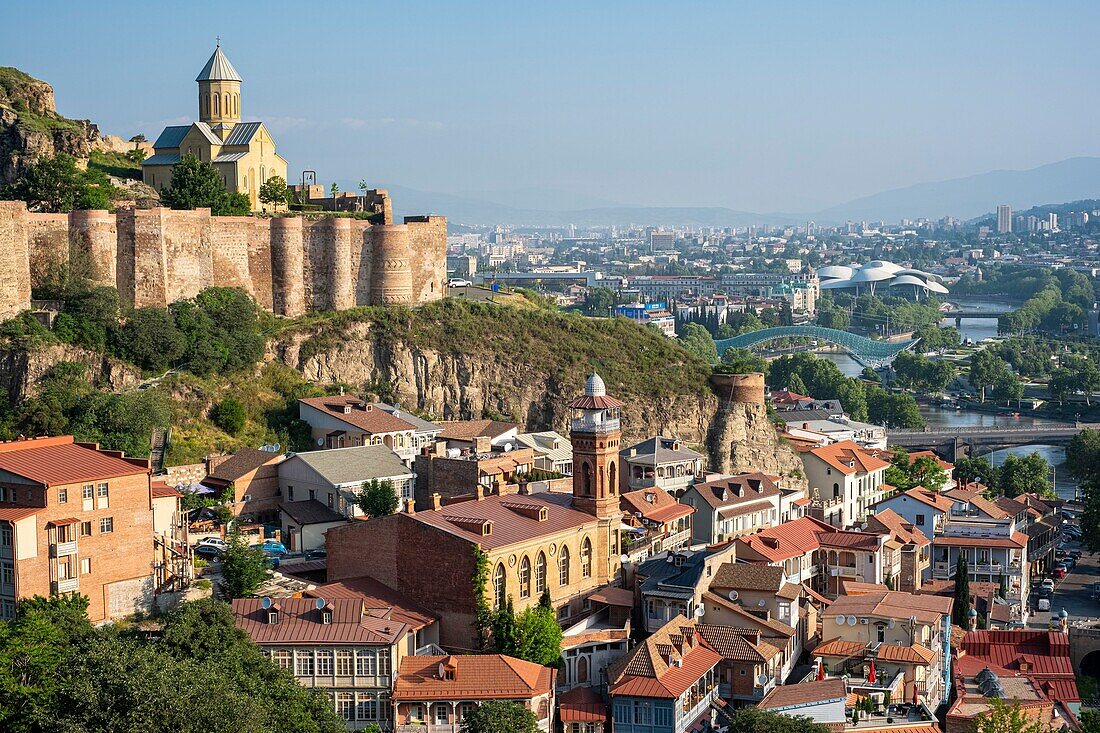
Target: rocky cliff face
[30,126]
[742,438]
[21,371]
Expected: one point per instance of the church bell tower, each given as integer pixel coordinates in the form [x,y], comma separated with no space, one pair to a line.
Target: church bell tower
[219,94]
[595,434]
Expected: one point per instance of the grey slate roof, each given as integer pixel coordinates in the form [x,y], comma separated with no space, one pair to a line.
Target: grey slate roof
[242,133]
[218,68]
[171,137]
[349,465]
[666,578]
[420,425]
[311,512]
[229,157]
[659,450]
[208,133]
[162,159]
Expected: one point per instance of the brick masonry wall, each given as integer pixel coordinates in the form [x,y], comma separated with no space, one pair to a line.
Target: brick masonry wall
[429,566]
[289,265]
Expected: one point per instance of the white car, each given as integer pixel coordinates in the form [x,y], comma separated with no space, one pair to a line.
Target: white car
[459,283]
[213,542]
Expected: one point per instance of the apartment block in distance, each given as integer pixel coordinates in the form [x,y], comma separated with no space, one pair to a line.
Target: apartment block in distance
[75,519]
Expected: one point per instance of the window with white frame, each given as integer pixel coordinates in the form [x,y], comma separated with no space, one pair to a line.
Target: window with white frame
[345,705]
[324,662]
[303,663]
[106,525]
[366,706]
[366,663]
[282,658]
[345,663]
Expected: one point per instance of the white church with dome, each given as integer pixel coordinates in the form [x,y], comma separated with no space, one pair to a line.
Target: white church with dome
[881,278]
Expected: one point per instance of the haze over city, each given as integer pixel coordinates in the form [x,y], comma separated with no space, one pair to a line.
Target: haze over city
[785,108]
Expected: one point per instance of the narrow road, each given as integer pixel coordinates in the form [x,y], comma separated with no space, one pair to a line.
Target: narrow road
[1073,592]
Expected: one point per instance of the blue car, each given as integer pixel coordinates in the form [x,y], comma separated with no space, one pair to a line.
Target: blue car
[273,547]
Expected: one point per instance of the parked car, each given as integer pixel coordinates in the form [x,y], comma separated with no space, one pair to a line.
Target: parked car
[316,554]
[213,542]
[273,547]
[209,551]
[459,283]
[1075,554]
[1044,604]
[1060,572]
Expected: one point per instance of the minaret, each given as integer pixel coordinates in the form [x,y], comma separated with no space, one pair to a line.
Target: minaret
[219,94]
[595,435]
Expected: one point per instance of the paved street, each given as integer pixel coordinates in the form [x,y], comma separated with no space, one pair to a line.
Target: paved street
[1072,592]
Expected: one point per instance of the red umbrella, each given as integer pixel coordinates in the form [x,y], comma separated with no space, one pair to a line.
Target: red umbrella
[871,677]
[820,670]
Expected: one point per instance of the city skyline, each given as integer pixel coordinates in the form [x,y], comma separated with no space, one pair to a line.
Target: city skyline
[756,110]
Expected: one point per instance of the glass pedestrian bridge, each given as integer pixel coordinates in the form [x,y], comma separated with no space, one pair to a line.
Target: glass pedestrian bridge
[868,352]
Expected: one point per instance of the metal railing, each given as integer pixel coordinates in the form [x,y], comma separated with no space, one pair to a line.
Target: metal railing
[581,425]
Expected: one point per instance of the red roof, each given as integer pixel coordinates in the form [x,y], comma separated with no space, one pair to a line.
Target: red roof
[299,622]
[14,512]
[654,504]
[363,415]
[59,460]
[848,457]
[1017,540]
[581,705]
[646,670]
[931,498]
[514,518]
[598,402]
[376,597]
[472,677]
[160,490]
[788,540]
[1005,651]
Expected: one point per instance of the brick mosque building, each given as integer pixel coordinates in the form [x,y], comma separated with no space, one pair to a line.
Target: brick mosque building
[564,543]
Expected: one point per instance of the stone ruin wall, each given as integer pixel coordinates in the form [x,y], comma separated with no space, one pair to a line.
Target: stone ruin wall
[290,265]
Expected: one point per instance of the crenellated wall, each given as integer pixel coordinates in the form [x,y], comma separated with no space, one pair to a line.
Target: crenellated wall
[290,265]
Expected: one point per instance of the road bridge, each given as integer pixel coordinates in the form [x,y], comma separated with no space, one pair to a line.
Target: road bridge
[959,442]
[868,352]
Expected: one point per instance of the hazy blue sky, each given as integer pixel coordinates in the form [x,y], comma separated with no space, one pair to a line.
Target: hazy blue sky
[764,107]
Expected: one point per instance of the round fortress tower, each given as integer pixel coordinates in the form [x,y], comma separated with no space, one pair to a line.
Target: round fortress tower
[745,388]
[391,273]
[94,233]
[288,290]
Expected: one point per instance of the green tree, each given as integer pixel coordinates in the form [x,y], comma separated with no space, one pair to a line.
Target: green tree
[483,615]
[244,568]
[1062,383]
[755,720]
[504,629]
[599,301]
[1028,474]
[377,498]
[538,636]
[1083,455]
[90,318]
[926,471]
[975,468]
[960,606]
[56,185]
[274,191]
[229,415]
[1090,517]
[986,370]
[796,385]
[197,184]
[892,410]
[500,716]
[150,339]
[741,361]
[697,340]
[1003,717]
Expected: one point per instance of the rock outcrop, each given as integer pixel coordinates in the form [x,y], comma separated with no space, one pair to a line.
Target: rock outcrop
[30,126]
[742,438]
[22,370]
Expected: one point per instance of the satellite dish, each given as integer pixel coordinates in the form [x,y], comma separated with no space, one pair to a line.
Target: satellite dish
[839,620]
[852,621]
[699,611]
[321,442]
[265,603]
[891,624]
[761,603]
[624,559]
[508,447]
[319,603]
[732,595]
[761,679]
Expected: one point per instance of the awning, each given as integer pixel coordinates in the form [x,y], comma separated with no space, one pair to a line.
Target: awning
[62,522]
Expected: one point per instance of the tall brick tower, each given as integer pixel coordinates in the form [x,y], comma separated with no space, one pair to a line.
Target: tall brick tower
[595,435]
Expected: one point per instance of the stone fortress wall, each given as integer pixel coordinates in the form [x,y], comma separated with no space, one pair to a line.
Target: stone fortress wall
[290,265]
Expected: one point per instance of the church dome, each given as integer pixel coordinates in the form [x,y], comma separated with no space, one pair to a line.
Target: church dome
[218,68]
[595,387]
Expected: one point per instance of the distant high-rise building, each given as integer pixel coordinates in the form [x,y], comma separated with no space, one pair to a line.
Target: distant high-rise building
[1033,223]
[1052,221]
[1004,219]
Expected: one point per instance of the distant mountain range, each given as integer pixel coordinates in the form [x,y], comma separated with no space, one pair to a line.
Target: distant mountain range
[963,198]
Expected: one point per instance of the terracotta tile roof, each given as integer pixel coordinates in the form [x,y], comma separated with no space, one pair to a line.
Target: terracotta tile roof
[244,461]
[817,596]
[10,512]
[850,540]
[739,489]
[59,460]
[1044,653]
[916,654]
[299,622]
[160,490]
[735,645]
[1011,506]
[787,397]
[473,677]
[466,430]
[581,705]
[933,499]
[654,504]
[597,402]
[378,600]
[1017,540]
[791,539]
[645,670]
[511,516]
[839,648]
[848,457]
[898,527]
[856,588]
[945,465]
[613,597]
[787,696]
[363,415]
[892,604]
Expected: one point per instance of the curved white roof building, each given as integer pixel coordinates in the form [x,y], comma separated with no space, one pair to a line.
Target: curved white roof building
[882,277]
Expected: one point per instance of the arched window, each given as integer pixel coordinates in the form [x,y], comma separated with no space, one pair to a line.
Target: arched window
[216,104]
[587,479]
[263,174]
[498,586]
[582,670]
[540,573]
[236,105]
[586,558]
[525,578]
[227,107]
[563,566]
[612,474]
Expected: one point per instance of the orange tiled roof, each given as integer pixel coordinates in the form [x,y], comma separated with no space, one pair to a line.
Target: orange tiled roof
[916,654]
[60,460]
[933,499]
[365,416]
[376,599]
[299,622]
[839,648]
[645,670]
[899,528]
[473,676]
[161,490]
[788,540]
[848,457]
[1017,540]
[892,604]
[14,512]
[581,705]
[654,504]
[786,696]
[513,518]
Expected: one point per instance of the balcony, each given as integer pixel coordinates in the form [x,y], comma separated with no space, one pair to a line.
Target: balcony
[63,549]
[695,706]
[843,571]
[426,728]
[580,425]
[68,585]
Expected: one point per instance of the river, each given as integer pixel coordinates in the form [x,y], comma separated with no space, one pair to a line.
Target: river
[977,329]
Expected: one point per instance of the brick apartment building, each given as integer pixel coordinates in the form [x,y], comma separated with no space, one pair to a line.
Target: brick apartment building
[75,519]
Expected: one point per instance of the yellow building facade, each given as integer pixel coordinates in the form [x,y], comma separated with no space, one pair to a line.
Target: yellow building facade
[242,152]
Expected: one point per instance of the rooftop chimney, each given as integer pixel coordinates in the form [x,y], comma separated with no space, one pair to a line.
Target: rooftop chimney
[483,444]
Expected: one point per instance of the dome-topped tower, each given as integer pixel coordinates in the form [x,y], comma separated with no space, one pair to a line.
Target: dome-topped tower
[219,94]
[595,435]
[595,387]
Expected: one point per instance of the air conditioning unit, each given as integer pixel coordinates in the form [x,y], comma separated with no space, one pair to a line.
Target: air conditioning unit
[246,497]
[864,621]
